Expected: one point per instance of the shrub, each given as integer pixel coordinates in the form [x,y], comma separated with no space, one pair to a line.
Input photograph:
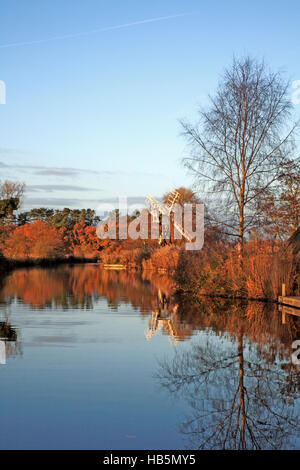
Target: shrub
[165,258]
[220,271]
[34,241]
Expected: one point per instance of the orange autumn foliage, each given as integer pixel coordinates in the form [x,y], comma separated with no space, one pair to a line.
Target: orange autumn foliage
[218,271]
[84,241]
[34,241]
[5,231]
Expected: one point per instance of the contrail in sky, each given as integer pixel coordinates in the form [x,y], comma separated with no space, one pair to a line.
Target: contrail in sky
[92,31]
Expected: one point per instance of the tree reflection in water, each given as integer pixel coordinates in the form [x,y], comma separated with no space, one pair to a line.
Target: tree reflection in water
[235,372]
[81,286]
[9,336]
[241,393]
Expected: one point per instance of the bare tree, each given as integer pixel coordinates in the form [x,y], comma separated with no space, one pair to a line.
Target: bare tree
[12,190]
[240,143]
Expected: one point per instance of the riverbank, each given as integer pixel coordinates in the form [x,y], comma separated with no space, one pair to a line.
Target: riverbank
[218,270]
[8,265]
[215,271]
[257,275]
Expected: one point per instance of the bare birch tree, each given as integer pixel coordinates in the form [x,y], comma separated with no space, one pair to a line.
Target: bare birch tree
[12,190]
[240,143]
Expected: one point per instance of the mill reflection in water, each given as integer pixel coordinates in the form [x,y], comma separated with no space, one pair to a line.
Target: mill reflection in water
[227,382]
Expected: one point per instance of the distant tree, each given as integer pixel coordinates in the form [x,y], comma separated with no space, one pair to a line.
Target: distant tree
[41,213]
[22,218]
[240,143]
[12,190]
[11,196]
[7,207]
[61,219]
[186,196]
[66,218]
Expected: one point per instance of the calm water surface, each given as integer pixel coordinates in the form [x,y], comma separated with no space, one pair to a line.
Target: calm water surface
[111,360]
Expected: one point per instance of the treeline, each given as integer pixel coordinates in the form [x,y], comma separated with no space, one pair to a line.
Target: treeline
[40,241]
[46,234]
[65,218]
[52,234]
[217,270]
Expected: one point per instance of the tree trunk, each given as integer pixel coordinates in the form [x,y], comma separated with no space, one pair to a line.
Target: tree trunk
[241,233]
[242,391]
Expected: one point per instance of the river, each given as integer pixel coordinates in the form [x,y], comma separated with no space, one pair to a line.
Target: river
[95,359]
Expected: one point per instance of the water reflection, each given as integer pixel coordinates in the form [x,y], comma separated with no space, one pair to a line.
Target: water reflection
[72,287]
[241,389]
[9,339]
[232,365]
[81,287]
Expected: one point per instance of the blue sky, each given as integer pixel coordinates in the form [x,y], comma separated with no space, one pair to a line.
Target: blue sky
[92,116]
